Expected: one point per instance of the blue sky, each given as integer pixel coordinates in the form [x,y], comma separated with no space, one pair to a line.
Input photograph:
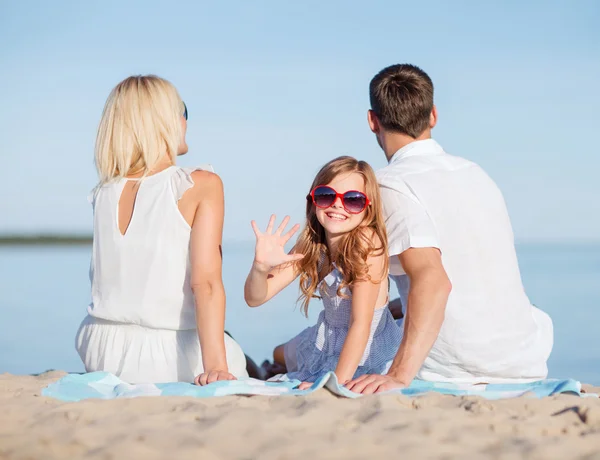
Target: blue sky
[276,89]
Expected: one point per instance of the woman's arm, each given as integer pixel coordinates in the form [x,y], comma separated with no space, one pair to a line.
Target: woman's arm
[272,269]
[364,301]
[206,277]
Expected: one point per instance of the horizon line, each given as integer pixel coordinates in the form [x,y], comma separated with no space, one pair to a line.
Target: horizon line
[60,238]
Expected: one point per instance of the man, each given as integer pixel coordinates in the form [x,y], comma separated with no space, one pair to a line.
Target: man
[467,317]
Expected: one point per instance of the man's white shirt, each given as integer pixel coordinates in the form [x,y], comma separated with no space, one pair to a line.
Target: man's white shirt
[491,332]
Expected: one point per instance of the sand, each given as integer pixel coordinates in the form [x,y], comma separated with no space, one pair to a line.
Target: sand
[319,426]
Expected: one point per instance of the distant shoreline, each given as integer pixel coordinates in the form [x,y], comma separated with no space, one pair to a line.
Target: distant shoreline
[45,240]
[57,239]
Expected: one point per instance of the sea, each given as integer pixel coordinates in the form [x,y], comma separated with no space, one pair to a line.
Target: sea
[45,291]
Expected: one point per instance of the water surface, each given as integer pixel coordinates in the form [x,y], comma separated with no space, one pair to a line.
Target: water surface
[44,292]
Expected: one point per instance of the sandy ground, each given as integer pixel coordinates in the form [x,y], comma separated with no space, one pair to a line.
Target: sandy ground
[320,426]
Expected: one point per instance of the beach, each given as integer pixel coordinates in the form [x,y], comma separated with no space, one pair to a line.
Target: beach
[314,427]
[318,426]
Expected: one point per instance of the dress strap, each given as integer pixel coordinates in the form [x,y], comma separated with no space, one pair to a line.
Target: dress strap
[181,180]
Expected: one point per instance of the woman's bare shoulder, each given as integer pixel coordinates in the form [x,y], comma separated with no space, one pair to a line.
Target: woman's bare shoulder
[206,184]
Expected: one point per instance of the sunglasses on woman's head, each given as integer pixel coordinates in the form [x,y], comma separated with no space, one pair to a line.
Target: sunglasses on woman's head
[185,114]
[353,201]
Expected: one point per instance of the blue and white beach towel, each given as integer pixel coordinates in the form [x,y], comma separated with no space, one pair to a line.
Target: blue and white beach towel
[103,385]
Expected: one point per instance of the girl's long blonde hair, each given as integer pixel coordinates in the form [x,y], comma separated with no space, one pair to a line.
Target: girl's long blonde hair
[141,122]
[354,247]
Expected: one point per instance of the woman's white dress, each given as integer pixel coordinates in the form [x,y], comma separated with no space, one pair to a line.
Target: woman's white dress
[141,323]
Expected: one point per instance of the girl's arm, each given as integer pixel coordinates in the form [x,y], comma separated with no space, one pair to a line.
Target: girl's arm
[206,280]
[272,269]
[364,299]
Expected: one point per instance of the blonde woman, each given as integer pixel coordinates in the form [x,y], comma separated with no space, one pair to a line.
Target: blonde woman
[341,255]
[158,303]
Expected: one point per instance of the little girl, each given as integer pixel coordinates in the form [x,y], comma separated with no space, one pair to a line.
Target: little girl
[342,254]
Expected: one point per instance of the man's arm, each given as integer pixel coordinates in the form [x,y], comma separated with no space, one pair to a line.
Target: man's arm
[427,298]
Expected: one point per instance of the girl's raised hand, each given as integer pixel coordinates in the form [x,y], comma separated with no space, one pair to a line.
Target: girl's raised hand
[270,252]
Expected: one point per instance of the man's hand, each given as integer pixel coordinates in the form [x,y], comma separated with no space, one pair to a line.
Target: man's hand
[395,307]
[212,376]
[374,383]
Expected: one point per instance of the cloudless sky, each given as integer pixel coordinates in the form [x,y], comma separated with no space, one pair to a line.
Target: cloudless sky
[275,89]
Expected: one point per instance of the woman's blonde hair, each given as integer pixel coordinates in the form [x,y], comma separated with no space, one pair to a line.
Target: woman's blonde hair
[354,247]
[141,122]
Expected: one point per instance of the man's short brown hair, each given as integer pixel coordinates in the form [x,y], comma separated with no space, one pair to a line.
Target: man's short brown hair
[402,98]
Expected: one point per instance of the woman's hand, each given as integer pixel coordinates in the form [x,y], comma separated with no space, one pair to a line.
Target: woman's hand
[270,252]
[212,376]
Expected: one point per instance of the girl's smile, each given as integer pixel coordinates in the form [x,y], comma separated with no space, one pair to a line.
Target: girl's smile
[335,219]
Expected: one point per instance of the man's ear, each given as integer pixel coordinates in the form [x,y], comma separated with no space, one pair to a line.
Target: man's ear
[433,117]
[373,122]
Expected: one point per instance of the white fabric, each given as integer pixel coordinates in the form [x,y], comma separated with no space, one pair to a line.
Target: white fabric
[139,354]
[491,332]
[142,279]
